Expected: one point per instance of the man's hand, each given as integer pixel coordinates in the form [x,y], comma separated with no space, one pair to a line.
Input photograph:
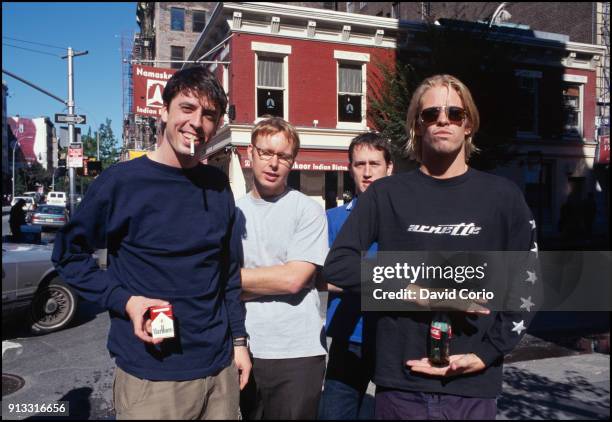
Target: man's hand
[243,363]
[136,307]
[459,364]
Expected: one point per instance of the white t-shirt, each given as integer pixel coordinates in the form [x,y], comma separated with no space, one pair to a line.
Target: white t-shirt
[290,227]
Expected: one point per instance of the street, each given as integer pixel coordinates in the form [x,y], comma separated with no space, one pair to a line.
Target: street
[74,365]
[70,365]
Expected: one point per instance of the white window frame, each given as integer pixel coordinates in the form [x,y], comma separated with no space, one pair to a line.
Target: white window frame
[278,50]
[350,57]
[362,4]
[350,6]
[581,82]
[536,75]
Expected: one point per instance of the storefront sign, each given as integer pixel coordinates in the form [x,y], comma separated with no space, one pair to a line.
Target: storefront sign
[309,160]
[603,150]
[149,84]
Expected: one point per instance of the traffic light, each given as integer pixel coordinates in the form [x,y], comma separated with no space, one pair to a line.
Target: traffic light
[94,167]
[82,171]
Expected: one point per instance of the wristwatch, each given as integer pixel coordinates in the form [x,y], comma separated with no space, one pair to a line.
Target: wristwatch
[241,341]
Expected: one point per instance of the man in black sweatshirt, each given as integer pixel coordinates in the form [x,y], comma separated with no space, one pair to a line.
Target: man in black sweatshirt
[168,224]
[442,206]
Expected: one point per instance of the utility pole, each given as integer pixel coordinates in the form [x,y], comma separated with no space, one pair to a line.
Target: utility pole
[98,144]
[71,134]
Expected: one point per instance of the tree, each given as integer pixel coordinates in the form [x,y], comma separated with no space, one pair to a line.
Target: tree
[109,150]
[390,91]
[473,53]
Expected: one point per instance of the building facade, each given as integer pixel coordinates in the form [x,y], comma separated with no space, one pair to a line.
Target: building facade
[309,66]
[313,62]
[37,141]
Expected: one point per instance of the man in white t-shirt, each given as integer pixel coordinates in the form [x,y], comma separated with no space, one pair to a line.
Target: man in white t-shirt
[284,240]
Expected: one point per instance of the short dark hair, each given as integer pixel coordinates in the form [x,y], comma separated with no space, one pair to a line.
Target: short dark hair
[200,81]
[373,140]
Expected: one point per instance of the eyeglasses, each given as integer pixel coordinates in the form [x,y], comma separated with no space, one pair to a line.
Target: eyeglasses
[284,159]
[456,115]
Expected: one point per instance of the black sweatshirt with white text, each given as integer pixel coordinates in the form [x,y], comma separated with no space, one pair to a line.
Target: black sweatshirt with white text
[492,216]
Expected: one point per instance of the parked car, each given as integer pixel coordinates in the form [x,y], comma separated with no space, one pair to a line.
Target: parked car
[35,195]
[50,216]
[30,204]
[56,198]
[30,282]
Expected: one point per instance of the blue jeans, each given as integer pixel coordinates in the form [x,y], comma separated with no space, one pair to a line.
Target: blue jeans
[346,382]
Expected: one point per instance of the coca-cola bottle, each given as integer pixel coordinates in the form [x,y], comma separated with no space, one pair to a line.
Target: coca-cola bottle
[440,334]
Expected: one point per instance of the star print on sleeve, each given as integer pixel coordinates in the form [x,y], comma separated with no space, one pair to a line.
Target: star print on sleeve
[527,304]
[531,277]
[519,327]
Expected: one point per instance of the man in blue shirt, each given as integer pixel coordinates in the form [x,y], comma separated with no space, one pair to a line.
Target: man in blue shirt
[348,376]
[168,223]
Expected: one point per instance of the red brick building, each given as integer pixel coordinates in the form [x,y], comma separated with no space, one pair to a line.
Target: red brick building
[309,66]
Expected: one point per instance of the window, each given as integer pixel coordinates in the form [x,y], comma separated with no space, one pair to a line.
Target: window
[177,19]
[362,4]
[199,21]
[350,92]
[270,86]
[349,6]
[572,108]
[528,83]
[177,53]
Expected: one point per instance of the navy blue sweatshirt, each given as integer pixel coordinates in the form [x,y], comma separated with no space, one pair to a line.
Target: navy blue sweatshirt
[170,235]
[393,212]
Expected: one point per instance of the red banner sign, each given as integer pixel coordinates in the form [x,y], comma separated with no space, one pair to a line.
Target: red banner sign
[603,150]
[149,84]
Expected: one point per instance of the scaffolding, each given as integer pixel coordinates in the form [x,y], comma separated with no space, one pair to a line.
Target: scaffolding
[603,68]
[138,131]
[127,90]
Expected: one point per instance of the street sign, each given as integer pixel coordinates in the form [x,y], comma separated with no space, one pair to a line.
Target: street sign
[77,119]
[75,156]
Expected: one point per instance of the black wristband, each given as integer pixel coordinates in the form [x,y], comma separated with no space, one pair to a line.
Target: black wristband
[241,341]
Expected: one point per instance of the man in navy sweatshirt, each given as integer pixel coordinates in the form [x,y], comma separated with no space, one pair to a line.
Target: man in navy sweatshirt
[168,224]
[444,205]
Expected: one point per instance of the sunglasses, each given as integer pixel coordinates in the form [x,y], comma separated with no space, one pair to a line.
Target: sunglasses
[455,115]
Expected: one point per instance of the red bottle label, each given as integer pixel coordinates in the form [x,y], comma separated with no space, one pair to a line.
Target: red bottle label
[435,333]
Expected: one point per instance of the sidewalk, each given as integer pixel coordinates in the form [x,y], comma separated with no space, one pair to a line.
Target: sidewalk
[561,388]
[569,387]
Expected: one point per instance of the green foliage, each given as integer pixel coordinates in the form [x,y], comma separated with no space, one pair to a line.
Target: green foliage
[473,54]
[109,149]
[390,95]
[30,176]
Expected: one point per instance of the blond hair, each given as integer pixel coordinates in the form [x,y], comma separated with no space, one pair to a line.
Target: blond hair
[274,125]
[414,144]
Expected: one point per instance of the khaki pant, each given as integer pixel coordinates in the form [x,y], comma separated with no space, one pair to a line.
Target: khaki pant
[214,397]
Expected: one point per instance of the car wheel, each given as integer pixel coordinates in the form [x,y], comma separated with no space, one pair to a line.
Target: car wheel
[53,307]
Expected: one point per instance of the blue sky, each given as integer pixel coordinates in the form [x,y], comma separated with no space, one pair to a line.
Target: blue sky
[96,27]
